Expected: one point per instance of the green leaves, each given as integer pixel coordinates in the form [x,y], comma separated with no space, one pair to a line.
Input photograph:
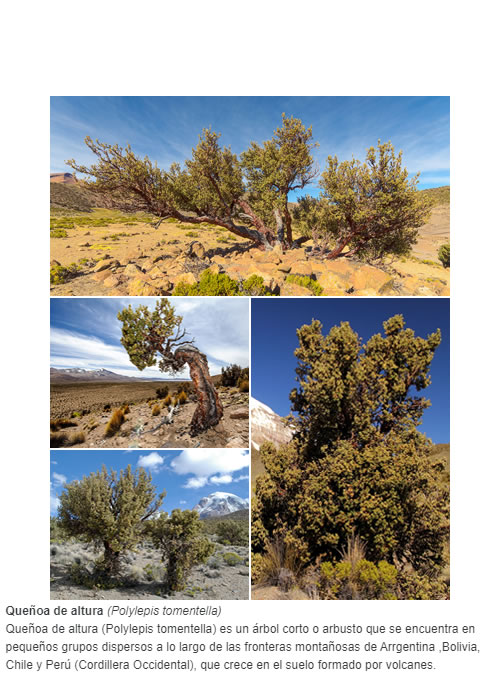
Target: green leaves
[148,336]
[370,209]
[109,509]
[180,539]
[357,464]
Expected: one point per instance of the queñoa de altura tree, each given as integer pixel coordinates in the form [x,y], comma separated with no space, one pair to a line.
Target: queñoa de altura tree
[357,465]
[156,337]
[182,543]
[370,209]
[110,510]
[247,196]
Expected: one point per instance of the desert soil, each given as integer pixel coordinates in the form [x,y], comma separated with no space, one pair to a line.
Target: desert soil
[149,262]
[87,415]
[142,573]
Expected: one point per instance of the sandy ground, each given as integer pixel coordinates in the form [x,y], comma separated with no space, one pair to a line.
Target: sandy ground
[142,429]
[120,240]
[143,573]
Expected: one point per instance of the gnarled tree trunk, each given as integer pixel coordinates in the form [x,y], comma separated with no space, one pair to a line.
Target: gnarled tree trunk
[209,410]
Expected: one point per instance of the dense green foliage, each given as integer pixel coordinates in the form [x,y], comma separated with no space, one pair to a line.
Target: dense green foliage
[306,282]
[232,532]
[232,375]
[109,510]
[372,209]
[180,539]
[150,336]
[210,284]
[220,284]
[444,255]
[357,464]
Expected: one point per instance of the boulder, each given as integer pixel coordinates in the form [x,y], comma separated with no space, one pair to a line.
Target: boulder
[290,289]
[131,270]
[106,264]
[187,277]
[367,276]
[139,286]
[239,414]
[196,250]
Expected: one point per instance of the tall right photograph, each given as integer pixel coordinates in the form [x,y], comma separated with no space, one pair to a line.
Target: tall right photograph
[350,447]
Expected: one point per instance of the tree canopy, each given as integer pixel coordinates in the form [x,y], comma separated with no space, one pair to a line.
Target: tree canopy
[156,337]
[109,509]
[369,208]
[357,464]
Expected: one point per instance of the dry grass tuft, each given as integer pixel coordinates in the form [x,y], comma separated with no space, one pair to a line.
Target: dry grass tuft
[61,423]
[156,410]
[114,423]
[77,438]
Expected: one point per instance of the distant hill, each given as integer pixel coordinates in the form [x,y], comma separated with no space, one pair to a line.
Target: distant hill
[439,195]
[70,197]
[78,374]
[63,178]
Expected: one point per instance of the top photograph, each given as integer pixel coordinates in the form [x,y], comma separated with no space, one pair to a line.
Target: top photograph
[250,196]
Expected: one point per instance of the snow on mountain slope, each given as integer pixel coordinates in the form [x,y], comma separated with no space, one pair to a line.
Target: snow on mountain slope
[219,504]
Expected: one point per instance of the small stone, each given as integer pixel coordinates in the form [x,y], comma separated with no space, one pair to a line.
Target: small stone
[239,413]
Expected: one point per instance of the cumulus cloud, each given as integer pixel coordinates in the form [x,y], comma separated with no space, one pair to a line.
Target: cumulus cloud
[207,462]
[196,482]
[59,479]
[213,466]
[151,462]
[221,479]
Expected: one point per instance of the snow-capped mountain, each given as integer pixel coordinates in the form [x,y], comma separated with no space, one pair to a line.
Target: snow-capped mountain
[267,425]
[219,504]
[85,374]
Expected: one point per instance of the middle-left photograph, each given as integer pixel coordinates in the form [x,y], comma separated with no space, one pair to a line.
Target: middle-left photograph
[149,373]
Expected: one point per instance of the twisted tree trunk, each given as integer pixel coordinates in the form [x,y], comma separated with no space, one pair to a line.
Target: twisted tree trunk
[209,410]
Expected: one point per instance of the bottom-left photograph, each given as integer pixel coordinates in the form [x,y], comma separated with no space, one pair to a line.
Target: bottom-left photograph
[147,525]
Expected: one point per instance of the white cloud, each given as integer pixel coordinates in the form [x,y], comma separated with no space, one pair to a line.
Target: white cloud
[182,502]
[196,482]
[54,503]
[152,462]
[59,479]
[221,479]
[206,462]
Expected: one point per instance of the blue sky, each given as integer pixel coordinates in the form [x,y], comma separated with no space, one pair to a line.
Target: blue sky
[274,340]
[166,128]
[86,333]
[187,475]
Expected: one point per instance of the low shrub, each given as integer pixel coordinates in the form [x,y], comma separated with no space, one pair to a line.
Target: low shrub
[232,532]
[58,440]
[243,385]
[114,423]
[61,423]
[254,286]
[232,559]
[306,282]
[181,398]
[58,234]
[363,580]
[162,392]
[156,410]
[444,255]
[77,438]
[167,401]
[210,284]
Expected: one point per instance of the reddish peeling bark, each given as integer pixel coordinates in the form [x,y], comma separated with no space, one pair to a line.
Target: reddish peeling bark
[209,410]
